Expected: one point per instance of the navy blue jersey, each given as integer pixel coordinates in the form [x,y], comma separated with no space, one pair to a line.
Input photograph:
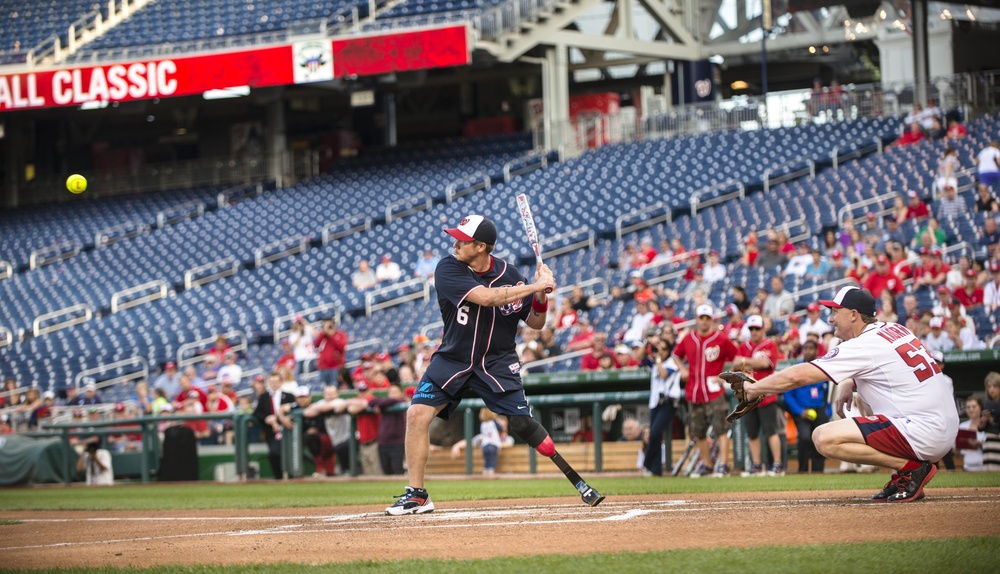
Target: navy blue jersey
[477,340]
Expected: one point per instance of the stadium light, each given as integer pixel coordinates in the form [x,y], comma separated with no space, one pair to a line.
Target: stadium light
[224,93]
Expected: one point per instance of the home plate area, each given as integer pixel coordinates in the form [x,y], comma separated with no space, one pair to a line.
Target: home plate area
[488,528]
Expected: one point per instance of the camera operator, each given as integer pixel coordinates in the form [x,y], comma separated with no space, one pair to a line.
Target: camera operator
[664,393]
[96,463]
[989,422]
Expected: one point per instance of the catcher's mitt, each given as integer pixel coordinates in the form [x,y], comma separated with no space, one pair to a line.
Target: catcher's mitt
[737,380]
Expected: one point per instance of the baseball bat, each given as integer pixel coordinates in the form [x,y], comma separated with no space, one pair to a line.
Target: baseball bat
[528,222]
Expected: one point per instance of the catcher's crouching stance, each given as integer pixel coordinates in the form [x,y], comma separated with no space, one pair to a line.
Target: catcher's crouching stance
[914,422]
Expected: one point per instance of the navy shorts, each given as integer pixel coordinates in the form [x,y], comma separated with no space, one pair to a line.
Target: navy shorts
[511,403]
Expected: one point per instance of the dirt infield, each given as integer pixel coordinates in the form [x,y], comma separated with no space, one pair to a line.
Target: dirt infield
[484,529]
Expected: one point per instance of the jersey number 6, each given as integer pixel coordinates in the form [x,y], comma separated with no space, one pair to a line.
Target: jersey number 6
[462,315]
[913,354]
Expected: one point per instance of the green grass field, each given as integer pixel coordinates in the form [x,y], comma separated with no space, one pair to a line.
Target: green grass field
[964,555]
[311,494]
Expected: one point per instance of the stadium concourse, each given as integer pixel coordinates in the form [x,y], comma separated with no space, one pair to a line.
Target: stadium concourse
[602,185]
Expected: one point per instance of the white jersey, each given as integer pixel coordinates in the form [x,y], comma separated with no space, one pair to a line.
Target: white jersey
[897,377]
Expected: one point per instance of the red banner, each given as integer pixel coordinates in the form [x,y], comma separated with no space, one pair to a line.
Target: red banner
[257,68]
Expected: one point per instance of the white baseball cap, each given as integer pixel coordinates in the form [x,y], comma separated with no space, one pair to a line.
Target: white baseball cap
[302,391]
[704,310]
[936,323]
[755,321]
[474,228]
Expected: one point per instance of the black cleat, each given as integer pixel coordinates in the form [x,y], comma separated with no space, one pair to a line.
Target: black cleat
[910,485]
[888,490]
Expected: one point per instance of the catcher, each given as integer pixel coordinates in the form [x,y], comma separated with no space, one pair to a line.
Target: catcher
[914,421]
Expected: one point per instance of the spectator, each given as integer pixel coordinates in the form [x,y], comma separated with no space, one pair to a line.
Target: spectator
[599,348]
[937,339]
[772,257]
[333,412]
[385,365]
[882,278]
[970,295]
[303,341]
[581,302]
[912,136]
[962,334]
[187,386]
[972,457]
[192,405]
[933,271]
[387,271]
[646,252]
[991,293]
[368,427]
[902,261]
[986,201]
[426,266]
[5,426]
[90,396]
[988,162]
[947,169]
[714,271]
[624,359]
[585,433]
[956,130]
[798,263]
[287,358]
[750,251]
[696,283]
[813,323]
[548,343]
[990,235]
[43,411]
[809,408]
[331,349]
[734,323]
[837,268]
[760,355]
[272,416]
[314,435]
[950,207]
[491,437]
[169,380]
[210,368]
[915,208]
[887,308]
[95,462]
[567,316]
[900,210]
[143,398]
[738,297]
[364,278]
[780,302]
[701,355]
[219,349]
[229,371]
[391,431]
[818,268]
[220,430]
[989,422]
[638,323]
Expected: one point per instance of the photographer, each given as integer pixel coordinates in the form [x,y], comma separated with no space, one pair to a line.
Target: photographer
[331,349]
[989,422]
[664,392]
[96,463]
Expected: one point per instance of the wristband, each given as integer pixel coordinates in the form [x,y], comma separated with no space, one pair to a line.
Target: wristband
[539,307]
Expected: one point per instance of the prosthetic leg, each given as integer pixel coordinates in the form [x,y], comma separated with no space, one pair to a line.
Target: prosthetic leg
[527,429]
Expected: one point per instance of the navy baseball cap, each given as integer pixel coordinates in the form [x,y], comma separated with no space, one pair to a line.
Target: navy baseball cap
[474,228]
[852,298]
